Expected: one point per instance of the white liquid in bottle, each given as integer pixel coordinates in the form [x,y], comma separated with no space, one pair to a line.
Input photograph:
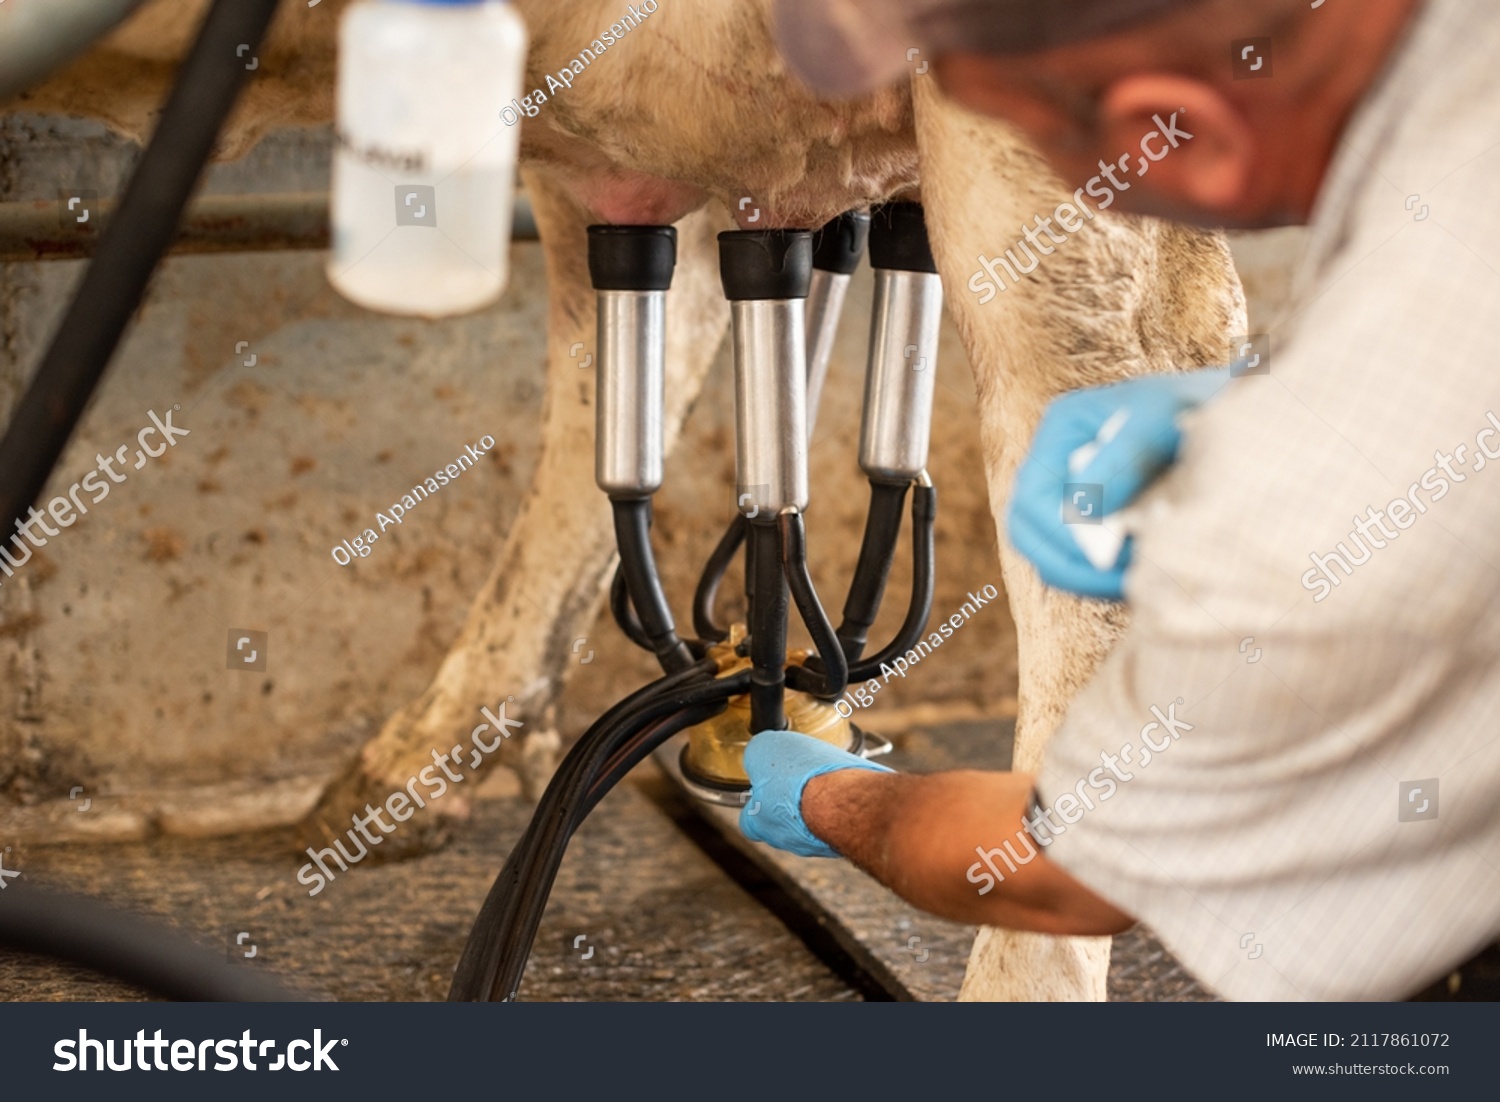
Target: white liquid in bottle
[424,172]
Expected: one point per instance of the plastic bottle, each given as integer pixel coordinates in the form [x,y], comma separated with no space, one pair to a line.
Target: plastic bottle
[424,171]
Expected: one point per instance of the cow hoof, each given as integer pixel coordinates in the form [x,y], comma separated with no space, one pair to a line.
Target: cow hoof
[348,801]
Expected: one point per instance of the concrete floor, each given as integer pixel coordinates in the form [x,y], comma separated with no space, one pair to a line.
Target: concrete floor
[644,885]
[664,922]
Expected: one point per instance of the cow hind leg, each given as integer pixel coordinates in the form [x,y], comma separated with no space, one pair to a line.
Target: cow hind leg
[1120,298]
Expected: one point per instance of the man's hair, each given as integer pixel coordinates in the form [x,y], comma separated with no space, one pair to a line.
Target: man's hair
[1192,37]
[1003,27]
[847,47]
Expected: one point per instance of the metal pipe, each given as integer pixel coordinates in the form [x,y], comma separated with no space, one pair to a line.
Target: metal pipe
[837,248]
[631,268]
[44,229]
[629,438]
[899,384]
[36,38]
[770,392]
[766,275]
[907,315]
[825,305]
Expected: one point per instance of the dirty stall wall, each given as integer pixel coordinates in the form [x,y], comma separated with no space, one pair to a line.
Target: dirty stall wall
[306,418]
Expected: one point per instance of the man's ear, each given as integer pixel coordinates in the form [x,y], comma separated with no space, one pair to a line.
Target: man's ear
[1210,148]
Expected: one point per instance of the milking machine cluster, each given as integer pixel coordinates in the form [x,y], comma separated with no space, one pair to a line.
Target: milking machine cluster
[786,291]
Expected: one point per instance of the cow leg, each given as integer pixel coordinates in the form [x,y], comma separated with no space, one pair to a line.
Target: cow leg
[1122,297]
[547,586]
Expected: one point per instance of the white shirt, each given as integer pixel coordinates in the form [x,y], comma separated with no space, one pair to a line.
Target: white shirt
[1273,846]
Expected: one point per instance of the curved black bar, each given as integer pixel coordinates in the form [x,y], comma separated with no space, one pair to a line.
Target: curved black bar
[876,552]
[834,676]
[500,942]
[131,247]
[638,563]
[705,623]
[624,614]
[924,555]
[117,943]
[768,613]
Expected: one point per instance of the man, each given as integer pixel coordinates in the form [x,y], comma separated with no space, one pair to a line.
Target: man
[1289,767]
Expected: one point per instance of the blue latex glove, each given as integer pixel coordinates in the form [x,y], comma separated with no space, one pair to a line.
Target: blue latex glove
[1146,412]
[780,763]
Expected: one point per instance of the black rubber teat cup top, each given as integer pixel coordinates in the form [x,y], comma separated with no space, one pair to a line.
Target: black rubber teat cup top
[761,265]
[838,246]
[632,258]
[898,239]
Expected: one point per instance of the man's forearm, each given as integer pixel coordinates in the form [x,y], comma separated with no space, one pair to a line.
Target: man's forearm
[920,836]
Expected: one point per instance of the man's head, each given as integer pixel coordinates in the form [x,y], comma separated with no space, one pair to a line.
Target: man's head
[1088,80]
